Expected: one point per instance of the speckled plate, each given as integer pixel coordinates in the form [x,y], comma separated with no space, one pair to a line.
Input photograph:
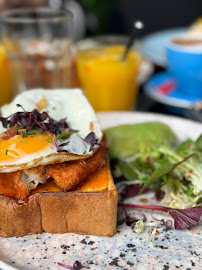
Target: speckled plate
[126,250]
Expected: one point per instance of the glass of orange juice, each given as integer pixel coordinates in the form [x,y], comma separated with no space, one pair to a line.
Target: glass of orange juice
[109,82]
[5,79]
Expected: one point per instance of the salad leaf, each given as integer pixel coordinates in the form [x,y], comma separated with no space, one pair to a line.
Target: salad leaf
[199,143]
[163,170]
[184,218]
[144,161]
[157,174]
[127,170]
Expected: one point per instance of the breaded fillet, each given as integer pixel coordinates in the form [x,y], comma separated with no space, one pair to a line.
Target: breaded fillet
[20,190]
[12,186]
[69,175]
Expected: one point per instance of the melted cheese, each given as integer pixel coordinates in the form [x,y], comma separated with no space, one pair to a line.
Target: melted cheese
[98,181]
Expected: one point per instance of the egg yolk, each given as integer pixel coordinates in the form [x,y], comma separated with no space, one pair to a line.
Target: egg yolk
[18,146]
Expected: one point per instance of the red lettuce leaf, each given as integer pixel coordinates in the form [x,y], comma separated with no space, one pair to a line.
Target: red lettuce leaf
[183,218]
[186,218]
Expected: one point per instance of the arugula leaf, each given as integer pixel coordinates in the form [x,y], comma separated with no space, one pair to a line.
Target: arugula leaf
[163,170]
[127,170]
[157,174]
[173,183]
[198,143]
[186,147]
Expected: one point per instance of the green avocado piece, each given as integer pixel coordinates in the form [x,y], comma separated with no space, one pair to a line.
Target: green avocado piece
[130,139]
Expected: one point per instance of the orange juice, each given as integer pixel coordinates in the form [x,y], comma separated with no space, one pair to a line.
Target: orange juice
[109,83]
[5,80]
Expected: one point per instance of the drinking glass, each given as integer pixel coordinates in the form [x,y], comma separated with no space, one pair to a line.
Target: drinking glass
[37,43]
[5,78]
[109,82]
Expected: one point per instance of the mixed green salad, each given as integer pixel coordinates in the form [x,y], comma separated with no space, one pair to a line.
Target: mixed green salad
[148,156]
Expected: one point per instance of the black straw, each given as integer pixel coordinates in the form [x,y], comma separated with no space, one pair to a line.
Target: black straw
[137,25]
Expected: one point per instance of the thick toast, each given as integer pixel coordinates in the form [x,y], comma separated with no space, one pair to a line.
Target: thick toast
[91,209]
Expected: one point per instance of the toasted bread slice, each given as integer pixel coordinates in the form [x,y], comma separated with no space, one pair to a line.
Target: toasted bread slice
[91,209]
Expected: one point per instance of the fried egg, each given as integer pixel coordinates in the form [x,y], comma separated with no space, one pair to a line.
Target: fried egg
[18,153]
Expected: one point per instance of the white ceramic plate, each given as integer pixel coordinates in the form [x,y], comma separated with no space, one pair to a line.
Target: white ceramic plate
[126,250]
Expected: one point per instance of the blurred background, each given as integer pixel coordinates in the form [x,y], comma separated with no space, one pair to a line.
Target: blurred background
[162,21]
[116,16]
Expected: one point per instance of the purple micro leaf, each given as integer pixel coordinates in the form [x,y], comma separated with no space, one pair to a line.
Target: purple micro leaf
[66,266]
[44,116]
[63,144]
[132,190]
[143,215]
[183,218]
[159,194]
[90,138]
[4,122]
[35,120]
[186,218]
[18,105]
[76,266]
[58,146]
[167,223]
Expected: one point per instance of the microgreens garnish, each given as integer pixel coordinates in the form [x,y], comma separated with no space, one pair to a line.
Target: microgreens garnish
[31,123]
[49,140]
[183,218]
[76,266]
[6,152]
[25,135]
[34,120]
[23,141]
[91,139]
[58,146]
[163,170]
[167,223]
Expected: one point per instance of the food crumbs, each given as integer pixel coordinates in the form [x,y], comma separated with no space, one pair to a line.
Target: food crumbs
[139,226]
[143,200]
[41,104]
[155,232]
[91,125]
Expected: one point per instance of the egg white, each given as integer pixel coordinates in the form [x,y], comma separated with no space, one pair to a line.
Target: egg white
[61,103]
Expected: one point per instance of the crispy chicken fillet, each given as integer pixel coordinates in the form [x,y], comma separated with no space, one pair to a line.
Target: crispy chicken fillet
[69,175]
[11,185]
[20,191]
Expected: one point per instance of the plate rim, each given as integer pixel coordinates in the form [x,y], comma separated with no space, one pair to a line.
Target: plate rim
[151,114]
